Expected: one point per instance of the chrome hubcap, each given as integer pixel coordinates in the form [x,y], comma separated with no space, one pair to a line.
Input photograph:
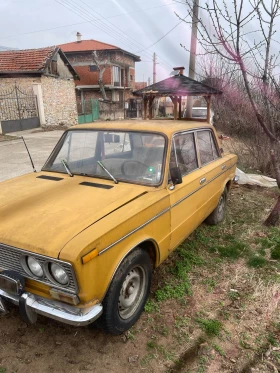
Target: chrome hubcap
[132,292]
[221,206]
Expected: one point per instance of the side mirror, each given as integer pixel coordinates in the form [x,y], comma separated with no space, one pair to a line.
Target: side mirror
[175,175]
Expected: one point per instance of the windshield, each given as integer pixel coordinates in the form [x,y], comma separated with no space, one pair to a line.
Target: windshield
[136,157]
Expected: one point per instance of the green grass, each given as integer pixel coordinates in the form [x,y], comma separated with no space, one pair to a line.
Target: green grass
[257,261]
[233,250]
[219,349]
[3,370]
[275,253]
[151,306]
[211,327]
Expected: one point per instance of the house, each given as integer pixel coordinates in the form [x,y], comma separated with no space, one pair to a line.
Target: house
[106,72]
[36,88]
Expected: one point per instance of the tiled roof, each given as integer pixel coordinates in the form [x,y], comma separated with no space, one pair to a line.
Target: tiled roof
[179,85]
[31,60]
[86,45]
[91,45]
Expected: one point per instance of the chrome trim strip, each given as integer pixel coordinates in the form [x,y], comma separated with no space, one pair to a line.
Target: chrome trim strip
[133,231]
[202,186]
[162,212]
[57,310]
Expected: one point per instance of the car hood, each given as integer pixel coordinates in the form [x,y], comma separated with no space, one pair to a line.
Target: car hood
[41,215]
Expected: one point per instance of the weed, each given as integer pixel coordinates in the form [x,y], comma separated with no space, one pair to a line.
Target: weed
[130,335]
[147,359]
[233,250]
[275,253]
[219,349]
[3,370]
[151,344]
[271,340]
[256,261]
[151,306]
[233,295]
[173,290]
[211,327]
[210,283]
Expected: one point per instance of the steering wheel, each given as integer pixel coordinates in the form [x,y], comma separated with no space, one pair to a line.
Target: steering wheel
[135,170]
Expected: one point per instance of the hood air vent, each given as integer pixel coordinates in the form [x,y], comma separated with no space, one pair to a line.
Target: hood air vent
[94,185]
[50,178]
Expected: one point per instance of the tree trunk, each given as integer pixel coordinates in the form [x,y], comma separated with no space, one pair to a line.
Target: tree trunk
[274,216]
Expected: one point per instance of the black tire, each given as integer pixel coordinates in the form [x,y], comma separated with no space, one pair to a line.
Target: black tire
[218,215]
[132,279]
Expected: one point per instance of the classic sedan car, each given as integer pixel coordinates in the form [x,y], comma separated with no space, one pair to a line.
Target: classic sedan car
[80,239]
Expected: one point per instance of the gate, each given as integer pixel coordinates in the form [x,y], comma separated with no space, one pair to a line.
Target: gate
[88,111]
[18,110]
[133,108]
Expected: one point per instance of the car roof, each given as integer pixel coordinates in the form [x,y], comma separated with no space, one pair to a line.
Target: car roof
[168,127]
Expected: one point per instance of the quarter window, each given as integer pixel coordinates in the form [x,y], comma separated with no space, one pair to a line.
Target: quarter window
[185,153]
[207,147]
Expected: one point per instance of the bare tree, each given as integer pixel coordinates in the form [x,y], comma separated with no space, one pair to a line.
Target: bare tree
[256,56]
[101,67]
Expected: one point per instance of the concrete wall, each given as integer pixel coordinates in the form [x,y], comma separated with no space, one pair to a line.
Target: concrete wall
[59,101]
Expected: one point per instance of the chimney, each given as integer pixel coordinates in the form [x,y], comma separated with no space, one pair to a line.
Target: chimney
[79,37]
[180,69]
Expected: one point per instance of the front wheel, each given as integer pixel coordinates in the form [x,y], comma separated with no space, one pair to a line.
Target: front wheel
[127,294]
[217,216]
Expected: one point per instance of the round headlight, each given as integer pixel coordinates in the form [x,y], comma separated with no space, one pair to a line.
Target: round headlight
[34,267]
[59,274]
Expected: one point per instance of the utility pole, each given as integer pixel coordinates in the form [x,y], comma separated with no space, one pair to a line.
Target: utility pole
[193,53]
[154,68]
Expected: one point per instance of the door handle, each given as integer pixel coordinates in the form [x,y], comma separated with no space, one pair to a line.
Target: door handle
[224,167]
[202,180]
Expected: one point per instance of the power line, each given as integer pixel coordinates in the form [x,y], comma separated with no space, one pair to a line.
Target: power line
[81,23]
[82,13]
[162,36]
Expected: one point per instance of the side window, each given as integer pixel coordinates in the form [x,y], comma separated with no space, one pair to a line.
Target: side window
[185,153]
[207,147]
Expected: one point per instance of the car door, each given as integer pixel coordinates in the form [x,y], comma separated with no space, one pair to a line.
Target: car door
[214,167]
[186,199]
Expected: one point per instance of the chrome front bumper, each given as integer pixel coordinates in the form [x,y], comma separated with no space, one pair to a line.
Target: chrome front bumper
[56,310]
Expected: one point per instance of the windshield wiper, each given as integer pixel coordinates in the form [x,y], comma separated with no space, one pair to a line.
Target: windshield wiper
[67,168]
[105,169]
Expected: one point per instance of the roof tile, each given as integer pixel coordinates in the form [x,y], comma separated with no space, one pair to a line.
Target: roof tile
[25,60]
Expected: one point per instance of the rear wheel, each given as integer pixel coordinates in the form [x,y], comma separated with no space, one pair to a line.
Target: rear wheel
[218,215]
[127,294]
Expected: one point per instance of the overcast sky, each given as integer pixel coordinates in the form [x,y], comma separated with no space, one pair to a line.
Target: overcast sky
[133,25]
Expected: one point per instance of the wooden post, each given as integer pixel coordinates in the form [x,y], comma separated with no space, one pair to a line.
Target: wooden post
[145,107]
[208,100]
[175,107]
[180,107]
[151,99]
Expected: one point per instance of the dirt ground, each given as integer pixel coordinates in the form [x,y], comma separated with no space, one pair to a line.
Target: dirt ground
[213,308]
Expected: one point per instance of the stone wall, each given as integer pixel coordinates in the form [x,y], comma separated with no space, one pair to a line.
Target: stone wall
[59,101]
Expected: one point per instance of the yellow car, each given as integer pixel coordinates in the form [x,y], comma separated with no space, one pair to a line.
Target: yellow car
[80,239]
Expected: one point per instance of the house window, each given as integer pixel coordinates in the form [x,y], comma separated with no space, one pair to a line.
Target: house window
[93,68]
[116,76]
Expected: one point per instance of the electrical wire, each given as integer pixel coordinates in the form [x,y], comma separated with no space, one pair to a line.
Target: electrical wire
[83,13]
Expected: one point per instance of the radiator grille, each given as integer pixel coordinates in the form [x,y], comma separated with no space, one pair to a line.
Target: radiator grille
[10,259]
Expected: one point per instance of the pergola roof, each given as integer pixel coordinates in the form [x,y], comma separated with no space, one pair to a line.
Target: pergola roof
[178,85]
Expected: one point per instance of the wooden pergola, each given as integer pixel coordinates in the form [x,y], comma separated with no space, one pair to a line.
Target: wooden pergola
[176,87]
